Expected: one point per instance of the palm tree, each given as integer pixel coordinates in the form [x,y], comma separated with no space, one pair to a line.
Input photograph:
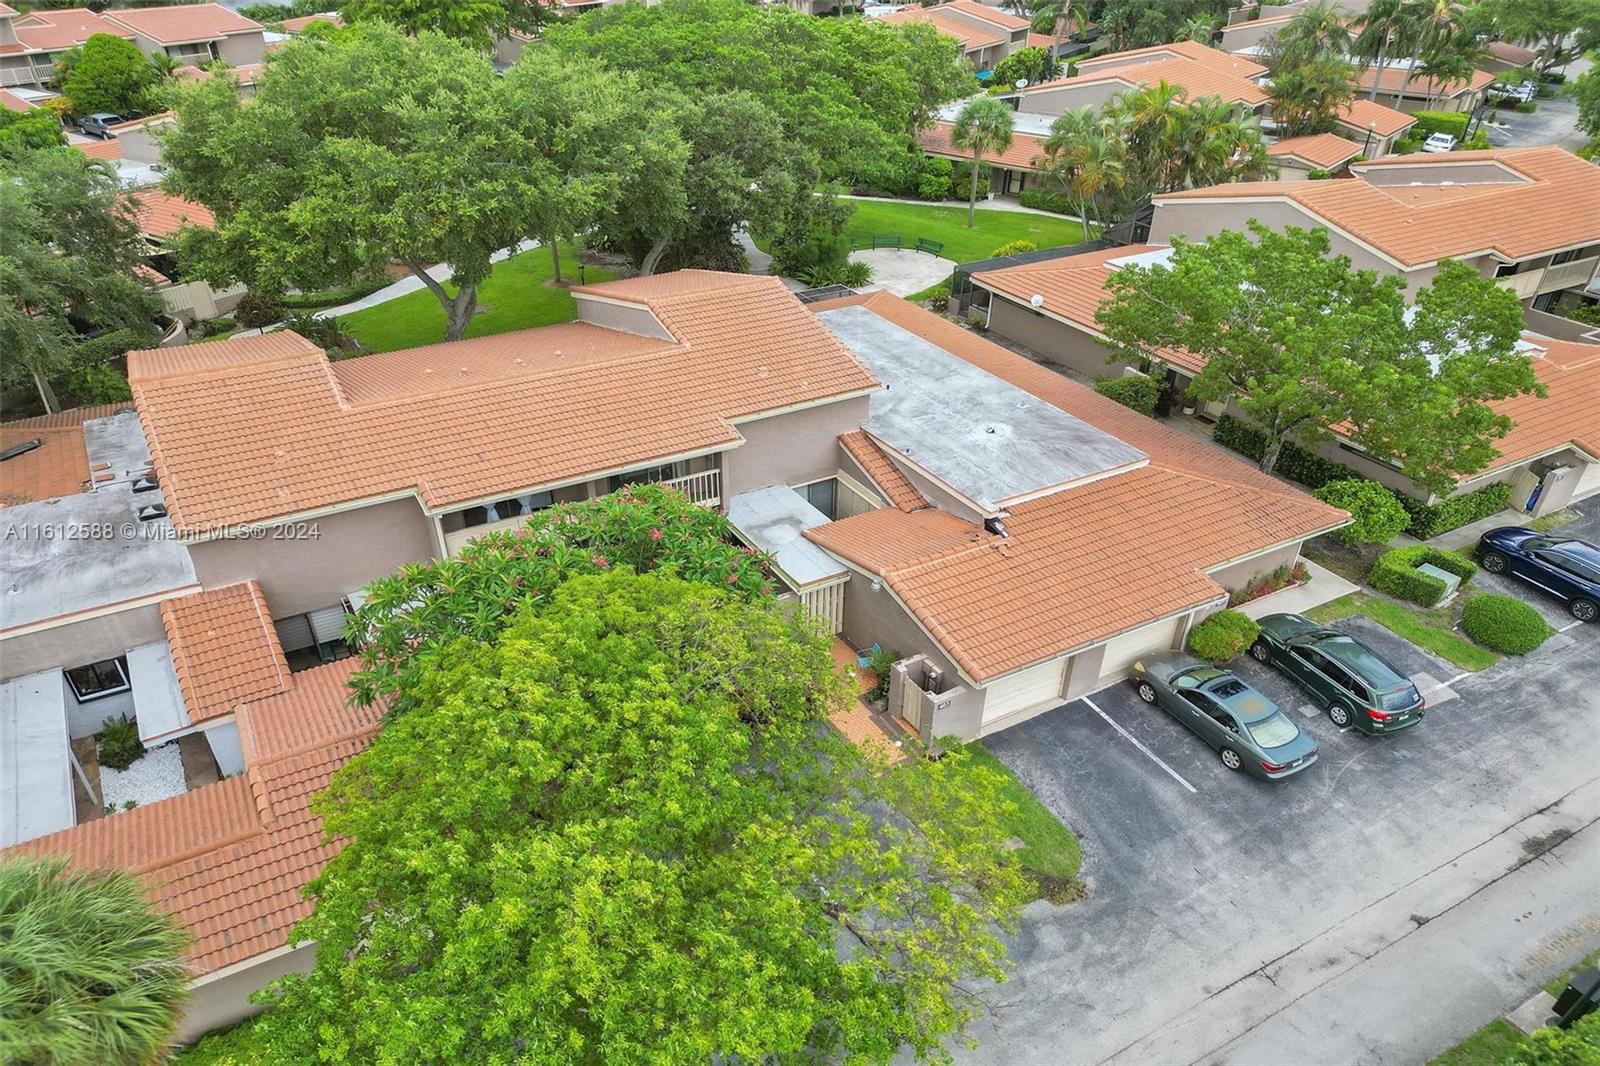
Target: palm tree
[163,64]
[1060,16]
[1385,27]
[1147,120]
[1198,29]
[90,972]
[983,127]
[1307,95]
[1320,28]
[1435,26]
[1084,158]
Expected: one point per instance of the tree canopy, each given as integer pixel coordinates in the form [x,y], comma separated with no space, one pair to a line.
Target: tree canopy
[1139,23]
[982,127]
[619,831]
[476,22]
[68,268]
[1309,92]
[27,131]
[91,972]
[1303,343]
[107,73]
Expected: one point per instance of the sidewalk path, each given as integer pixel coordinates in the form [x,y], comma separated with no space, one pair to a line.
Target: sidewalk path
[411,283]
[995,204]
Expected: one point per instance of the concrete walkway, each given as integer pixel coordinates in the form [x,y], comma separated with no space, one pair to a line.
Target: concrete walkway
[1467,536]
[1325,586]
[411,283]
[993,203]
[760,262]
[902,271]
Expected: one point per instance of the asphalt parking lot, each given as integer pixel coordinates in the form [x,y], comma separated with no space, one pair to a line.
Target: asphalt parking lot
[1201,877]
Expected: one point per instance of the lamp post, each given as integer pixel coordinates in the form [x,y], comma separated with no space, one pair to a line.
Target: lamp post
[1372,127]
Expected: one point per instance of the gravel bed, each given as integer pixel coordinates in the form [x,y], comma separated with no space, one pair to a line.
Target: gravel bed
[155,777]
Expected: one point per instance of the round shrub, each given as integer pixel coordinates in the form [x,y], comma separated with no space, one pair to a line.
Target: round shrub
[119,746]
[1014,248]
[1377,514]
[1223,635]
[257,309]
[1504,623]
[1138,391]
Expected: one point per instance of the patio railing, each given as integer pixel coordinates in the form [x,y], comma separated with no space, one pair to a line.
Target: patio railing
[703,488]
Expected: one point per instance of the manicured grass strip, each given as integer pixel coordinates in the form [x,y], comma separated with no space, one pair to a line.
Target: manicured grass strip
[1426,629]
[1049,848]
[1556,985]
[1490,1046]
[1554,520]
[514,296]
[1347,567]
[947,223]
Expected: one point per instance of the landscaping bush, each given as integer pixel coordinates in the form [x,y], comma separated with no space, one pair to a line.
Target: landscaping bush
[1318,174]
[1377,515]
[1014,248]
[96,383]
[1408,144]
[118,745]
[845,272]
[880,662]
[1504,623]
[1266,584]
[935,180]
[1396,573]
[1047,201]
[961,181]
[1223,635]
[257,309]
[1430,520]
[299,301]
[1138,391]
[1452,122]
[939,297]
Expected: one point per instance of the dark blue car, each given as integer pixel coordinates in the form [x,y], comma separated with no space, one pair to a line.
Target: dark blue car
[1565,567]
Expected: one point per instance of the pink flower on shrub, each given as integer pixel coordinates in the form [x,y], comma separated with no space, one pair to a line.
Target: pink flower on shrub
[600,561]
[656,534]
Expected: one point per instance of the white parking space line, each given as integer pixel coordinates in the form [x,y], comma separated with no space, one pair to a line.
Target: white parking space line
[1153,756]
[1436,691]
[1574,624]
[1310,710]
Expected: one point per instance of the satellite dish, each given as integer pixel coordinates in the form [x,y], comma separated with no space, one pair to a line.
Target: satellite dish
[1022,83]
[1037,300]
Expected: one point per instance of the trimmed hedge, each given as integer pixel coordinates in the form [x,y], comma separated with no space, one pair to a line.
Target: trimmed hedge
[1452,122]
[1504,623]
[1313,471]
[1396,573]
[1138,391]
[1223,635]
[1047,201]
[1376,515]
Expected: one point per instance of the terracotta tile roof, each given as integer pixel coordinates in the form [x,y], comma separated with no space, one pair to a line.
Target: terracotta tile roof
[230,859]
[12,102]
[1514,54]
[885,476]
[224,648]
[1080,565]
[61,29]
[244,431]
[993,15]
[1073,288]
[1024,154]
[1214,58]
[182,23]
[162,215]
[971,37]
[110,150]
[298,25]
[1362,114]
[1198,70]
[58,467]
[1549,200]
[1570,414]
[1325,150]
[1421,85]
[7,9]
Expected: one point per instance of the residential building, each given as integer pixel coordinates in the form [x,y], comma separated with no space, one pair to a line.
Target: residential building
[193,34]
[987,34]
[1008,170]
[161,215]
[1200,71]
[1504,56]
[1297,157]
[1422,92]
[919,488]
[1372,126]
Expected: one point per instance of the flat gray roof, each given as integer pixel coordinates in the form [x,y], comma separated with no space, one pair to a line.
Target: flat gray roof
[980,435]
[89,550]
[35,758]
[773,520]
[157,698]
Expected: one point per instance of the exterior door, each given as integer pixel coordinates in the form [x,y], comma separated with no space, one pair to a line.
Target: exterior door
[1122,650]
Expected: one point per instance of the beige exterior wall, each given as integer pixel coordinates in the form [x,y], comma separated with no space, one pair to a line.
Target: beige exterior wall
[792,448]
[78,643]
[350,549]
[239,49]
[1061,343]
[877,618]
[216,1002]
[629,318]
[1237,575]
[1060,100]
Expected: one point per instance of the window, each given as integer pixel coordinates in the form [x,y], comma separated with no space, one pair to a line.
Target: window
[823,495]
[97,680]
[1569,256]
[499,511]
[650,475]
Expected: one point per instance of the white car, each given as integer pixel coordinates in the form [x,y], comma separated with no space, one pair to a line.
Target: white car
[1439,142]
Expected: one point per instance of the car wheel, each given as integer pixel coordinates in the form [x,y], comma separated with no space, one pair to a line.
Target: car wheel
[1584,610]
[1494,562]
[1260,652]
[1230,759]
[1339,714]
[1146,691]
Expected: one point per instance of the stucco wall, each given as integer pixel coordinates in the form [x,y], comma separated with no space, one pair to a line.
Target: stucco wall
[876,618]
[241,48]
[792,448]
[1061,343]
[350,549]
[217,1002]
[81,643]
[1059,101]
[625,317]
[1237,575]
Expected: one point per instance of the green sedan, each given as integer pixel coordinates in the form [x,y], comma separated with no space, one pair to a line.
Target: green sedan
[1247,729]
[1353,683]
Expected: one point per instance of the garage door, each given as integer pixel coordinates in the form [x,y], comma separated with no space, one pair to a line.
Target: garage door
[1022,689]
[1120,651]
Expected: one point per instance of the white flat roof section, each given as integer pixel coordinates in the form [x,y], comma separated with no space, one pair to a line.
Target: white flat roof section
[772,519]
[89,550]
[157,699]
[35,758]
[983,437]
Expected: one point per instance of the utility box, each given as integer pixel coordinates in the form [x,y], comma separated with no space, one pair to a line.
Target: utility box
[1452,582]
[1579,998]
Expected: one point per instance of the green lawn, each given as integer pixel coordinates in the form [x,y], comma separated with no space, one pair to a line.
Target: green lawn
[1424,628]
[1489,1046]
[515,296]
[947,223]
[1049,849]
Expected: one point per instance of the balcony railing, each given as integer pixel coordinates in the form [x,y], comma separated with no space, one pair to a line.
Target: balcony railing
[703,488]
[1568,275]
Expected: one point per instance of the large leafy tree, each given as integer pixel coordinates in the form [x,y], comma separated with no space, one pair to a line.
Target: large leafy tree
[1586,92]
[26,131]
[107,73]
[1139,23]
[1303,343]
[89,971]
[1309,93]
[67,268]
[620,832]
[1385,30]
[982,127]
[477,22]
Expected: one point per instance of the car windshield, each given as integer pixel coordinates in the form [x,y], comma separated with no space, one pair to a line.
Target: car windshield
[1197,676]
[1273,732]
[1400,698]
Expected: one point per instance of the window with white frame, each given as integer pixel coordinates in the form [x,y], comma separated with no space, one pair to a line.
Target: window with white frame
[98,680]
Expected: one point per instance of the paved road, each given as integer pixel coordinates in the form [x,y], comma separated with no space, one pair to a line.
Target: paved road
[1237,920]
[1555,122]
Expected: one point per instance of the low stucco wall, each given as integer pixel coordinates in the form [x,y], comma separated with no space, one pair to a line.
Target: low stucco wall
[80,643]
[1236,576]
[1061,343]
[218,1001]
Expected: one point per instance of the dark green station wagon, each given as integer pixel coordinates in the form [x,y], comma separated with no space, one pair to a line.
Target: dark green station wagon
[1353,683]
